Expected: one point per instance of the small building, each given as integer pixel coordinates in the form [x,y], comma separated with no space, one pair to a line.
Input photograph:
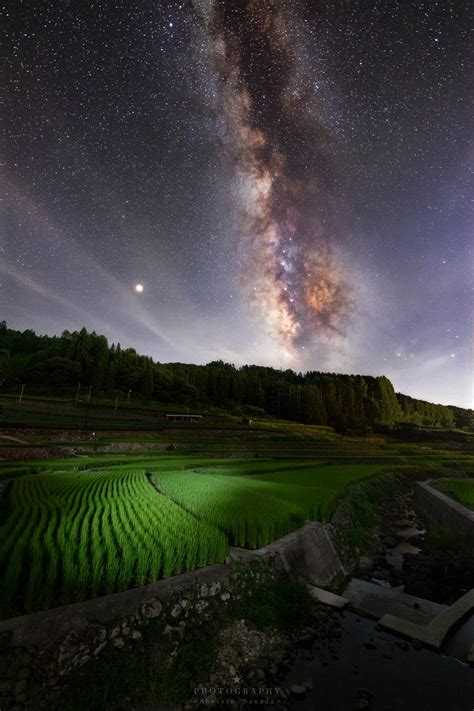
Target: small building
[183,418]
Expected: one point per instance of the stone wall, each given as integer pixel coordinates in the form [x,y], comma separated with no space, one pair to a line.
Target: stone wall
[39,649]
[36,650]
[440,510]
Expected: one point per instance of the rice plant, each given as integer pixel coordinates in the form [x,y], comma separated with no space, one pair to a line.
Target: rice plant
[75,535]
[461,490]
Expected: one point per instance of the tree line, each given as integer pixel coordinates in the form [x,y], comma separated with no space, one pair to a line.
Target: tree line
[346,402]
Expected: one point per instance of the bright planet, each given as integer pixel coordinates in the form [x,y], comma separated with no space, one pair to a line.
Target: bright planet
[139,288]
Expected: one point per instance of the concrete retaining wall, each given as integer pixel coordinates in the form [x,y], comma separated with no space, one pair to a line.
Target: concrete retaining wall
[440,510]
[309,554]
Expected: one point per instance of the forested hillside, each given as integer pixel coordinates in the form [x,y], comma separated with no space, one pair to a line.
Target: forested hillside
[56,364]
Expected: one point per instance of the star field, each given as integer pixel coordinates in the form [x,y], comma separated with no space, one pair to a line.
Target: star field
[289,184]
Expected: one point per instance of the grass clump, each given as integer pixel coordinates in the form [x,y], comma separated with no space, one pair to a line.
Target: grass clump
[118,679]
[359,513]
[271,603]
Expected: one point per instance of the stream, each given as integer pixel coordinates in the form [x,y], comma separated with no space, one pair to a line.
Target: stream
[364,667]
[374,670]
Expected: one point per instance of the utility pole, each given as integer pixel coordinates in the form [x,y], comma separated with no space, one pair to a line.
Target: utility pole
[89,393]
[21,394]
[116,405]
[77,392]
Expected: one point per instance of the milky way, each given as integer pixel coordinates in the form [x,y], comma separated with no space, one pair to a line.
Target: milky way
[288,181]
[290,270]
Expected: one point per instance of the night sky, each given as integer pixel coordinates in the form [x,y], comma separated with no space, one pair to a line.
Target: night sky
[287,180]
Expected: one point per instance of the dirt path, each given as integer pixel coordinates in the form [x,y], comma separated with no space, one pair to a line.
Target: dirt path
[14,439]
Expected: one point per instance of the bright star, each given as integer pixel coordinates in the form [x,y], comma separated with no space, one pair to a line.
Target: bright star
[139,288]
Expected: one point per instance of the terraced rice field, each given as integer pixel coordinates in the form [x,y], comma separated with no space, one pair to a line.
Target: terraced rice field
[461,490]
[76,528]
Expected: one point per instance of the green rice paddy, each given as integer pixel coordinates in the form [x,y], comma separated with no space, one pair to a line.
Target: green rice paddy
[77,530]
[461,490]
[130,508]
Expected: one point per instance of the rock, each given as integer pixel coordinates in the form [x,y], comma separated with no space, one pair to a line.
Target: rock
[173,634]
[98,649]
[225,596]
[364,699]
[366,563]
[204,591]
[177,609]
[403,645]
[214,588]
[24,659]
[298,691]
[77,644]
[21,686]
[152,608]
